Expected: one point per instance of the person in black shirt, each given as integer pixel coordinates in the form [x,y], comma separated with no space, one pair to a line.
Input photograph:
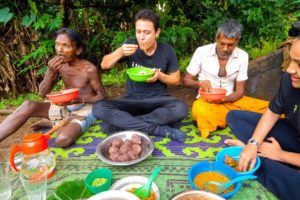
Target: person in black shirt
[274,136]
[146,106]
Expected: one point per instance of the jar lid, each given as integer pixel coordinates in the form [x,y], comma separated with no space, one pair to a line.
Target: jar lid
[34,143]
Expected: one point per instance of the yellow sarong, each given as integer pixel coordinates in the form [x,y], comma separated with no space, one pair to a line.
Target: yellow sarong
[210,116]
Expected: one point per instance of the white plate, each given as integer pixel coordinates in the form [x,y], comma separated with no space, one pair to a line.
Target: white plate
[197,195]
[114,195]
[134,182]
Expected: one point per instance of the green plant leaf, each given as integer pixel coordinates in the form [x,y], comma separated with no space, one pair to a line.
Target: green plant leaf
[56,23]
[72,190]
[42,70]
[5,15]
[27,20]
[94,41]
[33,7]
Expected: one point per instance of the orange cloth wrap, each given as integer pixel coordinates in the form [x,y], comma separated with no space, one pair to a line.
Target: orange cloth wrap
[210,116]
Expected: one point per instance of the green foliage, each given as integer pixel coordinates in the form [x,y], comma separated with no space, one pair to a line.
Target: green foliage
[42,22]
[56,22]
[269,22]
[42,70]
[183,63]
[120,37]
[33,7]
[58,86]
[265,48]
[181,38]
[38,54]
[116,76]
[4,103]
[28,19]
[5,15]
[41,51]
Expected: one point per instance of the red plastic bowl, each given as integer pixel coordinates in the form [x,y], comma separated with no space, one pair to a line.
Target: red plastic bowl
[63,96]
[216,94]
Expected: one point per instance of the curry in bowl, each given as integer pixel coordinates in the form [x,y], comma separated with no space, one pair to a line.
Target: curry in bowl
[204,177]
[206,171]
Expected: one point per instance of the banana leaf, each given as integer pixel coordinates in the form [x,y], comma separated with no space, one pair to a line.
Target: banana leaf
[71,190]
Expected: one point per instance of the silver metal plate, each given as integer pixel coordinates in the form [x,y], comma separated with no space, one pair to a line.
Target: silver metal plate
[102,148]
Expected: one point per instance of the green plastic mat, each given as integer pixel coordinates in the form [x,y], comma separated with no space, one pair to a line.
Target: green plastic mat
[171,180]
[194,145]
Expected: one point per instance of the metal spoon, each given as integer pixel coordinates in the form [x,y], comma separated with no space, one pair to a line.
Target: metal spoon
[144,191]
[219,188]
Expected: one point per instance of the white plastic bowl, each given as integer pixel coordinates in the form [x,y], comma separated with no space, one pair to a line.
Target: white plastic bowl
[114,195]
[130,182]
[195,194]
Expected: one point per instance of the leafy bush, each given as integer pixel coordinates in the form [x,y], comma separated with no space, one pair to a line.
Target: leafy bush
[181,38]
[120,37]
[4,103]
[115,76]
[269,22]
[264,48]
[183,63]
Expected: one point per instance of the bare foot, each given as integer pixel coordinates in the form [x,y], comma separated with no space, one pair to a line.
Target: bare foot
[232,142]
[44,123]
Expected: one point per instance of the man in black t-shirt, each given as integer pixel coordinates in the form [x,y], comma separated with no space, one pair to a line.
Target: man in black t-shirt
[280,151]
[146,106]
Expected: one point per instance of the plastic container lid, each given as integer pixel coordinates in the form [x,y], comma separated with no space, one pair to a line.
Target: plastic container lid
[34,143]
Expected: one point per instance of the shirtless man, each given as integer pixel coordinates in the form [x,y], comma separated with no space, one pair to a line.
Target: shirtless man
[75,73]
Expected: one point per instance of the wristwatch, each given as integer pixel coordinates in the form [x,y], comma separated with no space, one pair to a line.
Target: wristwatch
[253,141]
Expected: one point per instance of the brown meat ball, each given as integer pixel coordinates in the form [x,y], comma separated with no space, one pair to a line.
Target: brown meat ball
[128,142]
[113,149]
[124,149]
[131,155]
[117,142]
[136,149]
[123,158]
[136,139]
[114,156]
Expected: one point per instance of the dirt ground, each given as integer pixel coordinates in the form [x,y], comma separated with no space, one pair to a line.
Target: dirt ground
[183,93]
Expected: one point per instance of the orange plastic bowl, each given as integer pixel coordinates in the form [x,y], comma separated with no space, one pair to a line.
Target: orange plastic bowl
[216,94]
[63,96]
